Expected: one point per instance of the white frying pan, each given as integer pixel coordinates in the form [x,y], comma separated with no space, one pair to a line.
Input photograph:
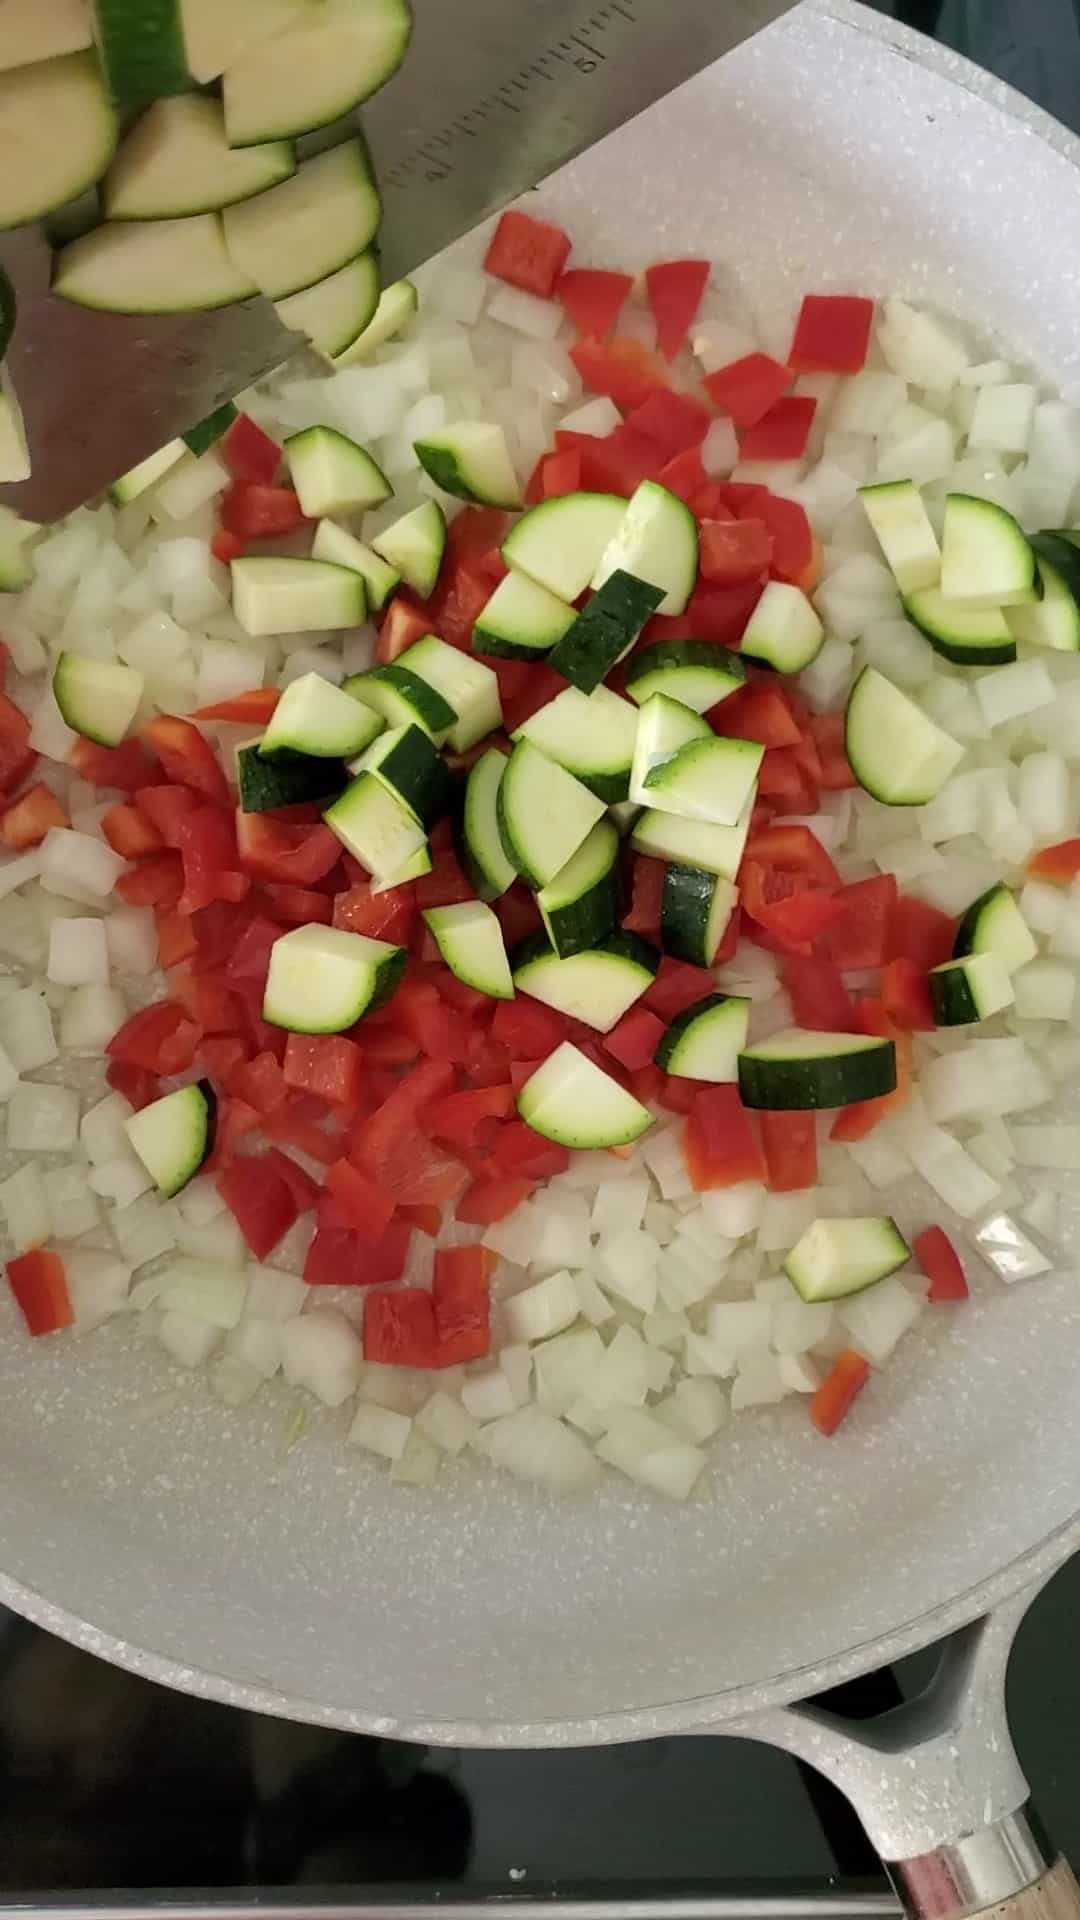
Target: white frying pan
[834,150]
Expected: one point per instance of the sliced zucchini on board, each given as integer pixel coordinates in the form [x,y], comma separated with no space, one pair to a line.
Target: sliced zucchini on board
[471,460]
[798,1070]
[140,479]
[969,636]
[974,988]
[596,985]
[334,56]
[216,36]
[466,685]
[99,698]
[375,826]
[522,620]
[544,814]
[986,557]
[331,474]
[288,780]
[657,541]
[142,50]
[314,717]
[691,843]
[176,160]
[994,924]
[343,549]
[784,631]
[664,725]
[397,306]
[705,1040]
[577,1104]
[275,594]
[592,735]
[208,431]
[334,312]
[470,940]
[403,699]
[695,909]
[897,753]
[560,542]
[414,546]
[836,1258]
[30,32]
[896,512]
[151,266]
[1054,619]
[696,673]
[580,907]
[713,780]
[14,450]
[300,232]
[604,630]
[173,1136]
[405,760]
[58,130]
[322,979]
[479,843]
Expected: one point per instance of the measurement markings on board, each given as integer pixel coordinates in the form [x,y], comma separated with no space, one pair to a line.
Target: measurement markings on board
[585,51]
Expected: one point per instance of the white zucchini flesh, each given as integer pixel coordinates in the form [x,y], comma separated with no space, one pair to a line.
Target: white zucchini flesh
[151,266]
[335,311]
[331,58]
[218,35]
[305,229]
[58,132]
[176,160]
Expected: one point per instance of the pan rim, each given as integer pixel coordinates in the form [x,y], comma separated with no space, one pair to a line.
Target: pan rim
[718,1711]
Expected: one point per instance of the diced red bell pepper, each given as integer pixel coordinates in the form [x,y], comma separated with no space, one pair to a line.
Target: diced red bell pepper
[305,1191]
[382,1133]
[789,526]
[784,431]
[1059,864]
[291,855]
[618,462]
[676,987]
[781,777]
[126,767]
[293,1129]
[129,832]
[297,906]
[647,892]
[672,421]
[403,624]
[399,1328]
[177,939]
[367,1208]
[719,1146]
[832,333]
[206,844]
[677,1094]
[684,475]
[226,547]
[787,905]
[166,807]
[17,756]
[756,712]
[254,512]
[425,1219]
[254,708]
[382,916]
[137,1085]
[675,289]
[624,370]
[732,551]
[819,998]
[459,1117]
[29,818]
[528,253]
[721,613]
[789,1143]
[518,914]
[828,734]
[487,1201]
[420,1013]
[260,1201]
[39,1283]
[249,959]
[905,995]
[462,1301]
[328,1065]
[520,1151]
[528,1030]
[856,1121]
[152,1038]
[445,886]
[186,756]
[921,933]
[794,850]
[248,452]
[593,298]
[539,685]
[942,1266]
[839,1390]
[634,1040]
[262,1084]
[859,935]
[556,474]
[342,1257]
[156,882]
[748,388]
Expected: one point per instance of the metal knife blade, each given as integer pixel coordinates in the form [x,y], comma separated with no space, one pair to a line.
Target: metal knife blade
[491,99]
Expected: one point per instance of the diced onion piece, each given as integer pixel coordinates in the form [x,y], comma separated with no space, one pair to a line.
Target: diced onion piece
[322,1352]
[1007,1248]
[543,1309]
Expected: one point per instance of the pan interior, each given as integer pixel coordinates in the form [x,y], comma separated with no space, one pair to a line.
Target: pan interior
[822,156]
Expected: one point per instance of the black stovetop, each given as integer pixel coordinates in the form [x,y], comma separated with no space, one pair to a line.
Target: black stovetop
[109,1782]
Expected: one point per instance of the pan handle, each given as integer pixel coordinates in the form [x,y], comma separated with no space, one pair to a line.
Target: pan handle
[938,1787]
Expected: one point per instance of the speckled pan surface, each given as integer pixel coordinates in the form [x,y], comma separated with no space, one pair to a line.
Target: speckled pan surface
[835,150]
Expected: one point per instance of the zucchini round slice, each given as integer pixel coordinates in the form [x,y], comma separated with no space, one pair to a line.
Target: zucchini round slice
[570,1100]
[174,1135]
[836,1258]
[798,1070]
[705,1040]
[897,753]
[322,979]
[694,672]
[580,907]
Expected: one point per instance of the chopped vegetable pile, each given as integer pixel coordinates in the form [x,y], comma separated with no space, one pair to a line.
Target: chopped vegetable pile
[558,833]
